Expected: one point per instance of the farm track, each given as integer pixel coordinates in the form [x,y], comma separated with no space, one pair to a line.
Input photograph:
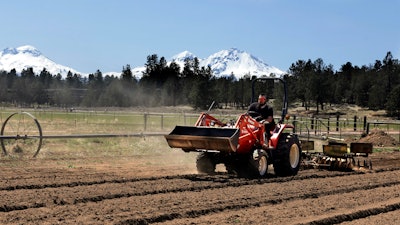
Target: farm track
[87,196]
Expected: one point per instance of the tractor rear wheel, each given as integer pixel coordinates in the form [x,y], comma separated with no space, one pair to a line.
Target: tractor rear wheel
[287,156]
[205,163]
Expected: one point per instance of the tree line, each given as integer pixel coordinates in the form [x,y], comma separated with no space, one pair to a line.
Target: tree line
[313,83]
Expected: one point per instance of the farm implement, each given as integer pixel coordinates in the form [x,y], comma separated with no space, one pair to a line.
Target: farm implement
[337,156]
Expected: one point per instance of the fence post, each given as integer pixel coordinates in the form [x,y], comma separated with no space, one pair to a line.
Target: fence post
[312,123]
[294,124]
[337,121]
[162,121]
[329,124]
[365,123]
[316,122]
[355,123]
[145,121]
[301,124]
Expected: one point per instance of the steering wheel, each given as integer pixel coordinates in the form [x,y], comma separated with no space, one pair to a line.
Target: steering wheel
[256,115]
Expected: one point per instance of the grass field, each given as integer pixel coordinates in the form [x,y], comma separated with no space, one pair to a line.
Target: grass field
[100,121]
[65,123]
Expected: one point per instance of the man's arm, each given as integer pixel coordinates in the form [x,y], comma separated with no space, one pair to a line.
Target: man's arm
[270,119]
[270,115]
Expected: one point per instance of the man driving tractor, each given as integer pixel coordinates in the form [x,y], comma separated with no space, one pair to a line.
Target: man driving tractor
[263,112]
[262,108]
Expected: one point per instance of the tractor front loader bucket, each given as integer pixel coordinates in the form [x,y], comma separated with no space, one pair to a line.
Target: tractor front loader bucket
[202,138]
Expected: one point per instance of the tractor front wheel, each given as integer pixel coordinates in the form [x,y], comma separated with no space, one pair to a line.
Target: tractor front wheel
[205,163]
[287,156]
[260,163]
[253,165]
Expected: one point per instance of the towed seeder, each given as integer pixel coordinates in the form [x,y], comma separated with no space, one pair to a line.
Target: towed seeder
[337,156]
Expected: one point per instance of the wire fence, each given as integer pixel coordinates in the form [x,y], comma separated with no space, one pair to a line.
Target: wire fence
[55,122]
[342,127]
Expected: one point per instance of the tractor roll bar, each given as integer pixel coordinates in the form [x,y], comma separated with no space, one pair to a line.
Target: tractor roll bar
[285,99]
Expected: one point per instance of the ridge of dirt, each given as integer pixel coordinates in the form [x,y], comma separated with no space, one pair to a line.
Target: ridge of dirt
[379,138]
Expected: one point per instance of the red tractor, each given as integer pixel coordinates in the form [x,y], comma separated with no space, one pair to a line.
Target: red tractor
[244,146]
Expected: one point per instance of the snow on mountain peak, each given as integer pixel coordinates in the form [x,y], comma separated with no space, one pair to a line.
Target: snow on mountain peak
[28,49]
[27,56]
[232,61]
[10,51]
[182,56]
[238,63]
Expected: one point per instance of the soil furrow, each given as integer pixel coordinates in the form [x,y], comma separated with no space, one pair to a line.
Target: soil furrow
[251,203]
[301,210]
[193,177]
[355,215]
[96,193]
[181,200]
[121,191]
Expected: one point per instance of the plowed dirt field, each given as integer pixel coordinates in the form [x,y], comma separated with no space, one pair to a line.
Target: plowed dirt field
[166,190]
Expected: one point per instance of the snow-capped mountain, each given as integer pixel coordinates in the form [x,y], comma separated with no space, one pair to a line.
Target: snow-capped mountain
[232,61]
[28,56]
[239,63]
[180,58]
[222,63]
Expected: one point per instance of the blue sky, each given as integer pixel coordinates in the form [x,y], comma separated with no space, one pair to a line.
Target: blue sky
[87,35]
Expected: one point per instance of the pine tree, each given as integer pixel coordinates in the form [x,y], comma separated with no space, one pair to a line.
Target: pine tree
[393,103]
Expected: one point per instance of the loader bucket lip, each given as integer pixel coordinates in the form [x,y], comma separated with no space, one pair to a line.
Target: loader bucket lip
[193,138]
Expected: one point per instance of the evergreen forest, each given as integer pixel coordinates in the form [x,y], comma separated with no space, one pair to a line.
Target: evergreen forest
[313,83]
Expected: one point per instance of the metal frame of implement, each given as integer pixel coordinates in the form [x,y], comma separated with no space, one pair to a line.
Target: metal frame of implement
[337,155]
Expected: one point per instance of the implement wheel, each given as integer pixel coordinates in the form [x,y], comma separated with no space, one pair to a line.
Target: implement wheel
[287,156]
